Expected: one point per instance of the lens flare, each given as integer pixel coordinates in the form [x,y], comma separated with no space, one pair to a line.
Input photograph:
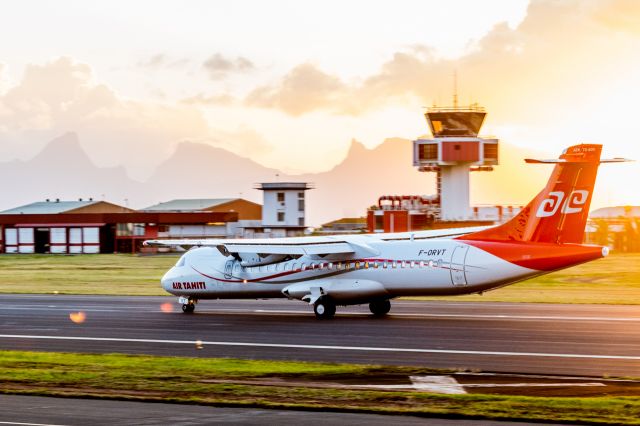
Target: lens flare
[166,307]
[78,317]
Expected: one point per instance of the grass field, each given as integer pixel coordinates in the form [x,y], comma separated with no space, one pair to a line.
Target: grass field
[224,382]
[613,280]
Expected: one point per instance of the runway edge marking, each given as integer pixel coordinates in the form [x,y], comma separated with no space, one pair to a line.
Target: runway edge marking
[322,347]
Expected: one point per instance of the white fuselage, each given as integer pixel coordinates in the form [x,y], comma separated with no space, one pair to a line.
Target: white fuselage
[399,268]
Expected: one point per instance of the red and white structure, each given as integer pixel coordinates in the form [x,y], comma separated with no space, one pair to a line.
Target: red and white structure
[453,152]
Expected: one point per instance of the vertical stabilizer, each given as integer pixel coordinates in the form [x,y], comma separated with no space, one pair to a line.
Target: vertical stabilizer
[558,214]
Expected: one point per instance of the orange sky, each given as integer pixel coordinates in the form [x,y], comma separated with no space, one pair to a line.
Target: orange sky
[289,85]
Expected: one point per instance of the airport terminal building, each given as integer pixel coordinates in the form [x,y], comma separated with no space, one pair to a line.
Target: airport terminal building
[88,226]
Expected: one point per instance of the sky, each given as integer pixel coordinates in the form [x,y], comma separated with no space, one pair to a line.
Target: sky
[291,83]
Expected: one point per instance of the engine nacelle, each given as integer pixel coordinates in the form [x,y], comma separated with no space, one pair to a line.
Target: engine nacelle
[341,291]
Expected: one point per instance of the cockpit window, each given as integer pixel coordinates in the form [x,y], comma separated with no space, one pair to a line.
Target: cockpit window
[181,261]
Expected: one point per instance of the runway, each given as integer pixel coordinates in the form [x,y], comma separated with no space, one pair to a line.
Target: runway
[48,411]
[587,340]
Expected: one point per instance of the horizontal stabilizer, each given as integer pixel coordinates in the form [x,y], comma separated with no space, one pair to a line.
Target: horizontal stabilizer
[563,160]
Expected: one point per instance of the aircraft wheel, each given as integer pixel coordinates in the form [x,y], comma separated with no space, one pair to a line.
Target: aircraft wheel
[380,308]
[188,308]
[324,309]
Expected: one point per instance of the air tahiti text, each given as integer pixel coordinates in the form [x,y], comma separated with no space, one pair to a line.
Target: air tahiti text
[198,285]
[432,252]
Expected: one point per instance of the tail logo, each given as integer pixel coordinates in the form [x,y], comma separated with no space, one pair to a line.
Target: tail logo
[572,204]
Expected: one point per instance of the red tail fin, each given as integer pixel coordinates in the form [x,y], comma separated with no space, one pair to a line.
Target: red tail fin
[558,214]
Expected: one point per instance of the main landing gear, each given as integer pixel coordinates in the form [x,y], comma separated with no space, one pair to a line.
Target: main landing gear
[380,308]
[324,308]
[188,304]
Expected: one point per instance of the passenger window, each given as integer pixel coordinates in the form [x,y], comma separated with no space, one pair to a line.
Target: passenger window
[413,264]
[404,264]
[384,265]
[357,265]
[422,264]
[431,264]
[330,265]
[375,265]
[394,265]
[366,265]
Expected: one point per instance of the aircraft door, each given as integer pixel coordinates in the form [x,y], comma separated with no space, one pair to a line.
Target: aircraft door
[457,268]
[228,268]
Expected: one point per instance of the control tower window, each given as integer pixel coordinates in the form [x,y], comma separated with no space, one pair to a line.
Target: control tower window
[428,152]
[490,151]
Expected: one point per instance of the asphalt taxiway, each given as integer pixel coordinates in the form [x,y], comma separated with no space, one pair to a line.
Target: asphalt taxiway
[586,340]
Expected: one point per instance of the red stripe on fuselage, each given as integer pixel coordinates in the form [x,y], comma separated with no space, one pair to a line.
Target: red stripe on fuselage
[539,256]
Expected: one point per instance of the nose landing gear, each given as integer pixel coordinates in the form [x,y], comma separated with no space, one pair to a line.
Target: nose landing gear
[188,304]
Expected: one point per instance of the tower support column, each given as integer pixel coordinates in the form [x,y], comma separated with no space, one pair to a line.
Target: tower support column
[454,198]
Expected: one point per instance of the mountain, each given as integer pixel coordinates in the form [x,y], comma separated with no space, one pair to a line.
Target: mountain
[364,175]
[202,171]
[63,170]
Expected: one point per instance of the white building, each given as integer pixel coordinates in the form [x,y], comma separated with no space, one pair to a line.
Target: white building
[283,208]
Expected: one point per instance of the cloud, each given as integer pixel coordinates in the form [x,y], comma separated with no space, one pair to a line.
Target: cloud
[61,96]
[162,61]
[304,89]
[560,49]
[618,14]
[224,99]
[219,67]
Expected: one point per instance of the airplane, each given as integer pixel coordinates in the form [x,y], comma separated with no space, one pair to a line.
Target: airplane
[329,271]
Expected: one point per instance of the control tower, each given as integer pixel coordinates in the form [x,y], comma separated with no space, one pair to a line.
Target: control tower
[453,152]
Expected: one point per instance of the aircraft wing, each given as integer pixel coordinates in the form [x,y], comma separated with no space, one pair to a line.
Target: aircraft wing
[297,246]
[278,248]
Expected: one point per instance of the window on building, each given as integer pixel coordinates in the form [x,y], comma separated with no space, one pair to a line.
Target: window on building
[280,216]
[490,151]
[280,196]
[130,229]
[379,221]
[301,221]
[301,205]
[428,152]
